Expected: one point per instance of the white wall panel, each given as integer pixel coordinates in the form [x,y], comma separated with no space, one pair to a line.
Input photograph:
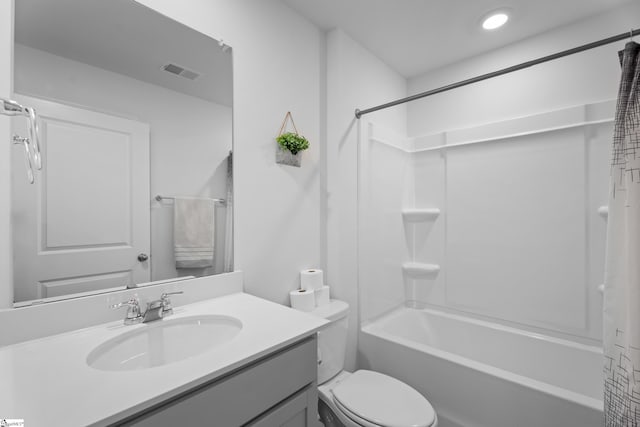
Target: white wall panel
[429,236]
[516,233]
[386,187]
[599,142]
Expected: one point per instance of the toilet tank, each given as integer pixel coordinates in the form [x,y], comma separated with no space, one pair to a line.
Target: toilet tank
[332,339]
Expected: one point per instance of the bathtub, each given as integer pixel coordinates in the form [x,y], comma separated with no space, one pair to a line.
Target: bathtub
[481,374]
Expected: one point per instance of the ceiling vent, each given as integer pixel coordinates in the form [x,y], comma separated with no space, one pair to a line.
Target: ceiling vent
[181,71]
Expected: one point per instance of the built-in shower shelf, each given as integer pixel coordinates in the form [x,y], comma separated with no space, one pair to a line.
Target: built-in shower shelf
[420,270]
[418,215]
[603,211]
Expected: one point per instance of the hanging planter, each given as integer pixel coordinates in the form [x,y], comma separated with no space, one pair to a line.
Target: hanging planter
[290,144]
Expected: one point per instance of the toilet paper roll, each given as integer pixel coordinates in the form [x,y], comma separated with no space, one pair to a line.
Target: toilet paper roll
[303,299]
[322,296]
[311,279]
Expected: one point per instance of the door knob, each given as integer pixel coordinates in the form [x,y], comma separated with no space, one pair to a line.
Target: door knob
[143,257]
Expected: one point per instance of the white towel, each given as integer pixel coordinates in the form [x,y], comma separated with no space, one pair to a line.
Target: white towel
[193,232]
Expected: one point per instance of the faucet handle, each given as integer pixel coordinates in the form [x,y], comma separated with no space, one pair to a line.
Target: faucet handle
[167,308]
[132,302]
[133,313]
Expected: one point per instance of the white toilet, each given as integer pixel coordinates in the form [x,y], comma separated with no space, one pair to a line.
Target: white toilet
[363,398]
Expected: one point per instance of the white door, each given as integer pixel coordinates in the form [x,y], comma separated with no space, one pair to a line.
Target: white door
[82,225]
[6,83]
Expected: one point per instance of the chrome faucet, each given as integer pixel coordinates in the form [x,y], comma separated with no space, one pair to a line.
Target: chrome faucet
[155,310]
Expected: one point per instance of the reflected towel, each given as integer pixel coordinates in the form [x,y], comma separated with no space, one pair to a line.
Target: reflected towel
[193,232]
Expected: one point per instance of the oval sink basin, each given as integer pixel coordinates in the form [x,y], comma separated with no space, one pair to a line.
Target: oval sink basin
[163,342]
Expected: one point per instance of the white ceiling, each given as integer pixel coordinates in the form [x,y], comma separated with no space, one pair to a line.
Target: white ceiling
[126,38]
[414,36]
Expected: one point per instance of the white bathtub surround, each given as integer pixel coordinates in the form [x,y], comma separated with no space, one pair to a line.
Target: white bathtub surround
[48,379]
[482,374]
[386,240]
[622,278]
[512,244]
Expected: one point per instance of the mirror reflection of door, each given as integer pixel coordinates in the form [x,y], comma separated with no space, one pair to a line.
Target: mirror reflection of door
[81,227]
[92,55]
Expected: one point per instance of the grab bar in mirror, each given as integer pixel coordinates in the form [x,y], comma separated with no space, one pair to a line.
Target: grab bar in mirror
[161,198]
[31,145]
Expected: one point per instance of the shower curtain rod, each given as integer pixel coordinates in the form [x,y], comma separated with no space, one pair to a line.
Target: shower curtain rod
[359,113]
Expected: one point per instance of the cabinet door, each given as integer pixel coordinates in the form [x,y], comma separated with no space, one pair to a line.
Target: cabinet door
[290,413]
[300,410]
[239,398]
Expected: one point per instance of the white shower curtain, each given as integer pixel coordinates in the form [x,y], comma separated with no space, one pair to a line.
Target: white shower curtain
[622,273]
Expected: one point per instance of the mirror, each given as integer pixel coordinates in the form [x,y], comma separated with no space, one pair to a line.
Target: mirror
[132,105]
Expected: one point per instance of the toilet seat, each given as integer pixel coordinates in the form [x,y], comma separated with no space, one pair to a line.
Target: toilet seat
[346,413]
[353,417]
[372,399]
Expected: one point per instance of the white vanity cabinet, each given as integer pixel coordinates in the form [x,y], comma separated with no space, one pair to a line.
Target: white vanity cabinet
[264,376]
[277,390]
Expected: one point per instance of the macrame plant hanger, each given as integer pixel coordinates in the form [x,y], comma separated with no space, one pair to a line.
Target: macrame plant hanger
[284,156]
[288,117]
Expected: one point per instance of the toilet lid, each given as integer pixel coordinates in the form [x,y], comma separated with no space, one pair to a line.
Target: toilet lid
[384,401]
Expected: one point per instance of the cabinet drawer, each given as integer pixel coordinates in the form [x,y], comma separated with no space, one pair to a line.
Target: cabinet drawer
[238,397]
[293,412]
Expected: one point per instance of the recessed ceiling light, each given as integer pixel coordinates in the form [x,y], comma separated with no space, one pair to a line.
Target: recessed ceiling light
[495,20]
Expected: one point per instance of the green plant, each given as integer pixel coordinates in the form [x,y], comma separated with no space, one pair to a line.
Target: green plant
[293,142]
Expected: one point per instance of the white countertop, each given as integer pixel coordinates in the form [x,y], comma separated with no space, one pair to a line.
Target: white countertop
[48,382]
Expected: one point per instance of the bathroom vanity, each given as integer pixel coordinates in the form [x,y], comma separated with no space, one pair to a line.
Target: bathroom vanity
[277,390]
[256,366]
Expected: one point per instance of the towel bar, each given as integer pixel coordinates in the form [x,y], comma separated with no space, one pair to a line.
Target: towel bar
[161,198]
